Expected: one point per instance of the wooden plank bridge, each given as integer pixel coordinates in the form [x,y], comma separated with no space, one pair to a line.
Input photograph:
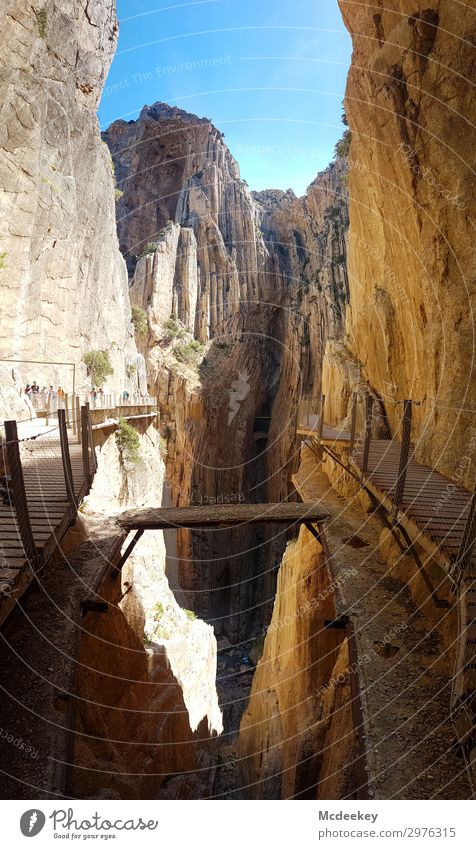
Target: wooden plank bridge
[219,516]
[222,515]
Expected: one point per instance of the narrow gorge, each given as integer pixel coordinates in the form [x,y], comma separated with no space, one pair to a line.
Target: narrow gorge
[247,330]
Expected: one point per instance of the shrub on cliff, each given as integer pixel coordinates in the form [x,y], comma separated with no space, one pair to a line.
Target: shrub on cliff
[139,320]
[128,442]
[189,352]
[342,147]
[98,366]
[172,330]
[150,248]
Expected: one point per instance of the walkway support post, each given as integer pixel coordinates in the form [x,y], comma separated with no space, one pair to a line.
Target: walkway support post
[17,485]
[65,456]
[84,430]
[353,423]
[404,453]
[369,406]
[469,539]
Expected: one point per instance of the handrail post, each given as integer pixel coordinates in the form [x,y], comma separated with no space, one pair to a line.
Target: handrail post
[73,414]
[321,416]
[66,409]
[78,417]
[85,442]
[404,452]
[353,422]
[91,440]
[369,406]
[18,490]
[65,456]
[469,538]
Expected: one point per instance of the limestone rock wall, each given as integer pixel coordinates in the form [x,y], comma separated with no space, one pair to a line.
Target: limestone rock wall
[175,167]
[307,242]
[411,259]
[63,280]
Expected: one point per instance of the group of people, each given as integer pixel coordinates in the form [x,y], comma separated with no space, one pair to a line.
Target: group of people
[53,397]
[98,398]
[48,396]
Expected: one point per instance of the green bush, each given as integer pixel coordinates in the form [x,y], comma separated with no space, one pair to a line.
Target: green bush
[128,442]
[159,611]
[163,447]
[118,194]
[173,330]
[98,366]
[3,258]
[333,212]
[150,248]
[189,352]
[342,147]
[139,320]
[41,20]
[190,615]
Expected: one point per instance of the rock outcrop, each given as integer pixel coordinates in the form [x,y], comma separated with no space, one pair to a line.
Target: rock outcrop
[63,281]
[411,260]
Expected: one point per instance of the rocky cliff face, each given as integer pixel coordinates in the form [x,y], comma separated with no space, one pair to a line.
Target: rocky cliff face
[63,280]
[174,167]
[250,278]
[411,269]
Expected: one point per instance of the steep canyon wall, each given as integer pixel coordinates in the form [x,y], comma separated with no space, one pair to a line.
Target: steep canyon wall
[411,110]
[63,280]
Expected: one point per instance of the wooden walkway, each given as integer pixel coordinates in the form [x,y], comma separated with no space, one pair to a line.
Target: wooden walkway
[437,515]
[431,504]
[329,434]
[50,513]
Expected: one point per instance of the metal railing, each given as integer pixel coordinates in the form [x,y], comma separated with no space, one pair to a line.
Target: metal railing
[44,457]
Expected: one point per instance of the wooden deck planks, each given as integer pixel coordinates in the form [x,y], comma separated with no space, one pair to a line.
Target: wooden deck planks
[49,511]
[437,507]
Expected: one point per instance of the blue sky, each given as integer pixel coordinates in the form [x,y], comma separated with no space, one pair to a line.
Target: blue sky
[270,75]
